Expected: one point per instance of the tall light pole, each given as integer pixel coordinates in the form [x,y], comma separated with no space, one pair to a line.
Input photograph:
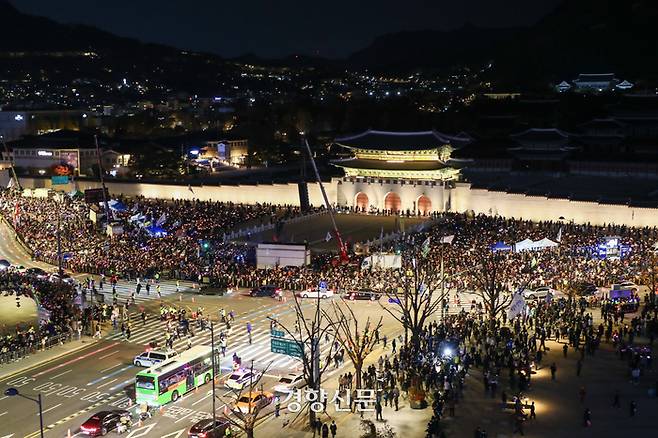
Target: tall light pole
[11,392]
[214,371]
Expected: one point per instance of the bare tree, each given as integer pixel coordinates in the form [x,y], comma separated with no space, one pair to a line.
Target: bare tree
[308,332]
[422,289]
[490,280]
[238,418]
[357,340]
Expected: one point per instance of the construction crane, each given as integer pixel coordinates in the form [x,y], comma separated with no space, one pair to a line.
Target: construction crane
[341,244]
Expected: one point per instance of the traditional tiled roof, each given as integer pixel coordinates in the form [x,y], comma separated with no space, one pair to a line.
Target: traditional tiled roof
[535,134]
[402,141]
[356,163]
[596,77]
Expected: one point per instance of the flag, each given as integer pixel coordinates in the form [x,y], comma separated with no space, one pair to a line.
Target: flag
[517,306]
[365,264]
[135,207]
[189,187]
[448,239]
[533,262]
[559,236]
[162,220]
[175,224]
[425,247]
[328,236]
[10,184]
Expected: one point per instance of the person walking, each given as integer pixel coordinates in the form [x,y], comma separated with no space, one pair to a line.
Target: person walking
[333,428]
[565,348]
[587,418]
[277,406]
[378,410]
[581,394]
[533,414]
[325,431]
[249,331]
[396,398]
[553,371]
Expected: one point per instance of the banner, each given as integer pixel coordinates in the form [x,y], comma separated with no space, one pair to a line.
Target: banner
[517,307]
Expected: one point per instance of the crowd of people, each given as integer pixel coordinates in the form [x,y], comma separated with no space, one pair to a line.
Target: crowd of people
[55,299]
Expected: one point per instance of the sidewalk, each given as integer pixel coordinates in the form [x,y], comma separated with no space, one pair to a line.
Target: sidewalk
[40,357]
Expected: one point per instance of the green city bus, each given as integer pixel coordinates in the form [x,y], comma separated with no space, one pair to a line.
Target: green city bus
[171,379]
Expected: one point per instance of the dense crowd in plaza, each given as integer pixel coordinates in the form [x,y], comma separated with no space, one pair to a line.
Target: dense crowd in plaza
[136,252]
[55,298]
[179,254]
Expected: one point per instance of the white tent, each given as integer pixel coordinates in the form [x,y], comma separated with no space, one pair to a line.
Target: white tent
[523,245]
[529,245]
[544,243]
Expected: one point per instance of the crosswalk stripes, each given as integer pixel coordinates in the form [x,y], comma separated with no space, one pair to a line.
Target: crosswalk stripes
[125,289]
[238,341]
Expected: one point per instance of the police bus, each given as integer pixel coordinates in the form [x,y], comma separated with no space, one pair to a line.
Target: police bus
[169,380]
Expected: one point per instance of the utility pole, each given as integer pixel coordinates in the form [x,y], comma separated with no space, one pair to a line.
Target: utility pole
[11,163]
[108,214]
[59,240]
[214,372]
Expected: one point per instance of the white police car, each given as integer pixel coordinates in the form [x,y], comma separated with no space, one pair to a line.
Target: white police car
[153,357]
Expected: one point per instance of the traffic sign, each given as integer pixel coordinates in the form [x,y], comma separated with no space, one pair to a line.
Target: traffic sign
[278,333]
[287,347]
[323,286]
[59,180]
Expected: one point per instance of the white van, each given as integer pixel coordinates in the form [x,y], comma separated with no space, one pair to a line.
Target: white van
[153,357]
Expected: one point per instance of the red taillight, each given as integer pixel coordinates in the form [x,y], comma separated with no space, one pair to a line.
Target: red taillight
[202,435]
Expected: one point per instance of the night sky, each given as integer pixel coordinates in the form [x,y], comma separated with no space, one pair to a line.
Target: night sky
[275,28]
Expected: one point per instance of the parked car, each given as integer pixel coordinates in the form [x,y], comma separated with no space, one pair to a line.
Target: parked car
[66,278]
[266,291]
[240,378]
[102,422]
[252,401]
[625,285]
[153,357]
[540,293]
[205,429]
[362,295]
[289,383]
[37,272]
[586,289]
[314,293]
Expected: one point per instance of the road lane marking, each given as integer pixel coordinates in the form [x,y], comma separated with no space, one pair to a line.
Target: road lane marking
[108,369]
[61,374]
[107,376]
[3,413]
[122,384]
[109,354]
[105,384]
[49,409]
[201,399]
[79,358]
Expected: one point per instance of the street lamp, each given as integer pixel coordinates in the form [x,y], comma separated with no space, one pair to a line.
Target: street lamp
[10,392]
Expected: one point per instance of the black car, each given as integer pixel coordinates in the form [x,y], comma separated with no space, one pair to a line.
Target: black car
[37,272]
[266,291]
[586,289]
[102,422]
[204,429]
[362,295]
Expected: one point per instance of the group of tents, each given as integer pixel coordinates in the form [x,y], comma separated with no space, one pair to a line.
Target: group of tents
[525,245]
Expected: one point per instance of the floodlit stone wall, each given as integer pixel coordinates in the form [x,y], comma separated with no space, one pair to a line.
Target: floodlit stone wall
[345,192]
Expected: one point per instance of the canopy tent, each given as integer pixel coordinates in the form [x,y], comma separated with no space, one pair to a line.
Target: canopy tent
[500,246]
[545,243]
[156,231]
[523,245]
[529,245]
[117,205]
[76,194]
